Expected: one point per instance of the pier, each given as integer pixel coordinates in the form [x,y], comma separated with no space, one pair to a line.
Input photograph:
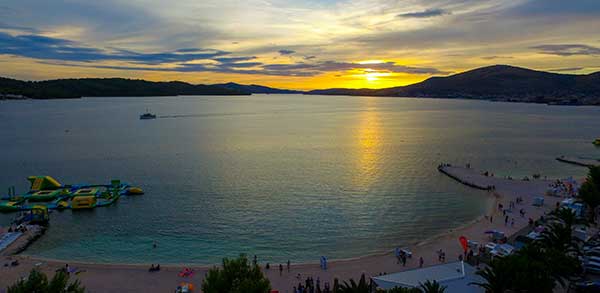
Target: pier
[28,235]
[454,173]
[579,161]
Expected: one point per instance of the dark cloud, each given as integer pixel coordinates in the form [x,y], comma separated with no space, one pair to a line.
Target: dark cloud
[234,59]
[5,26]
[310,57]
[241,64]
[567,49]
[328,66]
[295,69]
[496,57]
[286,52]
[188,50]
[425,14]
[46,48]
[65,52]
[558,7]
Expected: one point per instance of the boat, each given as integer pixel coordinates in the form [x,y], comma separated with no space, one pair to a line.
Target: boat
[147,115]
[597,142]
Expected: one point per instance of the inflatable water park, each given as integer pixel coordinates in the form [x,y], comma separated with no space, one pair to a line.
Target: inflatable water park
[46,193]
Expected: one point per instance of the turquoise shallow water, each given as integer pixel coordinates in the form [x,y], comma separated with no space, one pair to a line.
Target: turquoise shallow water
[281,176]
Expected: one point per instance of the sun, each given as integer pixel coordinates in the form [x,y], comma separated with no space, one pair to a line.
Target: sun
[371,76]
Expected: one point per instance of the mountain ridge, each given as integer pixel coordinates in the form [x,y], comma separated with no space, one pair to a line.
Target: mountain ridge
[498,83]
[256,89]
[104,87]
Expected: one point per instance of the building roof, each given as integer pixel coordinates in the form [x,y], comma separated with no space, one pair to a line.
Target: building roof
[456,276]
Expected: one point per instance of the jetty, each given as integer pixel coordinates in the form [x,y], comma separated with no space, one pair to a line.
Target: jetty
[584,162]
[466,179]
[12,243]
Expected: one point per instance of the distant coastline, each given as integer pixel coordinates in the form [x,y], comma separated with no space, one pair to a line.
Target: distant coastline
[493,83]
[496,83]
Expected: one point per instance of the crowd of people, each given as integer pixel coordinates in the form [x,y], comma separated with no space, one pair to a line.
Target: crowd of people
[311,286]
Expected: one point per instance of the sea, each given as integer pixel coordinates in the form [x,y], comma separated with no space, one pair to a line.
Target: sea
[283,177]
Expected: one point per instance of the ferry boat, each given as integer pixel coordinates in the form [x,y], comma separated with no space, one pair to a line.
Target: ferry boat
[147,115]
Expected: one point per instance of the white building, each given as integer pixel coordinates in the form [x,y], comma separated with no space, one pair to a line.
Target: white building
[456,276]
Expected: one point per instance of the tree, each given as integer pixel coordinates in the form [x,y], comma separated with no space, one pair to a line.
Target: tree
[38,282]
[402,290]
[497,277]
[236,276]
[559,236]
[361,287]
[556,265]
[432,287]
[590,195]
[594,175]
[539,266]
[567,217]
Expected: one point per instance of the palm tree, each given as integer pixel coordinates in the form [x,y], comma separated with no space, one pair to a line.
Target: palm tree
[552,263]
[432,287]
[594,175]
[403,290]
[559,236]
[497,277]
[589,192]
[567,216]
[353,287]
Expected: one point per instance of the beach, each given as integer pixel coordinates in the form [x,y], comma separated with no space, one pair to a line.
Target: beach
[136,278]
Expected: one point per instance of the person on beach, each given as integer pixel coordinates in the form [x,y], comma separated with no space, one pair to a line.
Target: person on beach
[491,219]
[512,222]
[421,261]
[280,269]
[506,221]
[268,266]
[288,265]
[403,256]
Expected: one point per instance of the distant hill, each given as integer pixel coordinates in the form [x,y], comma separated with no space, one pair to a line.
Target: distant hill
[104,87]
[256,89]
[498,82]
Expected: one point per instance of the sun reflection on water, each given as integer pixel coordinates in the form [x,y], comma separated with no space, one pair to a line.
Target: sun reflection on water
[369,145]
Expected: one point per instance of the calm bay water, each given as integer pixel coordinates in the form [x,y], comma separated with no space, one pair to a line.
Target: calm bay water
[281,176]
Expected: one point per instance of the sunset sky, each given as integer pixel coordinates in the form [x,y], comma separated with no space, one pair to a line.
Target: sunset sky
[294,44]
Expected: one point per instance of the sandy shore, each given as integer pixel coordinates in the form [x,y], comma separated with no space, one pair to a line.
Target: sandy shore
[136,278]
